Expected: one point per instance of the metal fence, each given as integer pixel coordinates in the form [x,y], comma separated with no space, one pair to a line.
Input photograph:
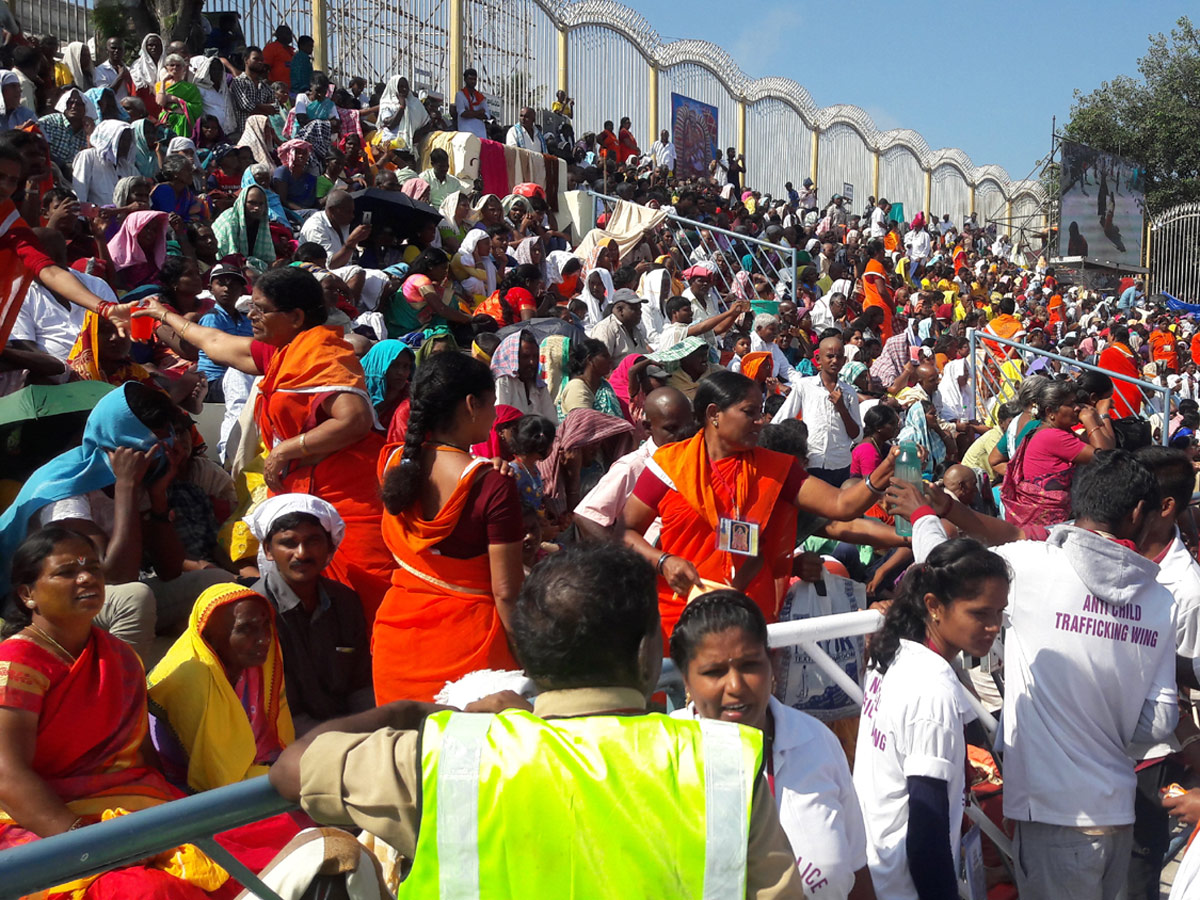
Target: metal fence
[613,61]
[997,373]
[726,250]
[1175,252]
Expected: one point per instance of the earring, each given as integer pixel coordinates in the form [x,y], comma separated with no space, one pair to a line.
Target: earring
[937,618]
[30,604]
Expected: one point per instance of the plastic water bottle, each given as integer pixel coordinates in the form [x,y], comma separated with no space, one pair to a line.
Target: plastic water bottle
[908,468]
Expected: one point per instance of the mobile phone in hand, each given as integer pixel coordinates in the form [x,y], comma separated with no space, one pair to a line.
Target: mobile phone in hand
[367,216]
[89,210]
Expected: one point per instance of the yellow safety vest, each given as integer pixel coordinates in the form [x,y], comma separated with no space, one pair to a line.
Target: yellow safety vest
[646,806]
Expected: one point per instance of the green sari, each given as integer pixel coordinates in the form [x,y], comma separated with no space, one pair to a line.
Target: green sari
[182,119]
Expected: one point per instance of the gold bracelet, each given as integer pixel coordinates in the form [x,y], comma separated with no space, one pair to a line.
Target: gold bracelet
[185,328]
[303,449]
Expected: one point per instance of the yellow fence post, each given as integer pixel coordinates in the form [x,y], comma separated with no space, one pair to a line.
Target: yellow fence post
[454,54]
[320,12]
[875,173]
[562,59]
[816,155]
[653,104]
[741,125]
[928,192]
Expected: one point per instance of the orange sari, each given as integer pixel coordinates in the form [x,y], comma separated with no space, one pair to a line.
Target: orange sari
[15,278]
[877,293]
[300,376]
[1127,398]
[1162,349]
[701,497]
[438,621]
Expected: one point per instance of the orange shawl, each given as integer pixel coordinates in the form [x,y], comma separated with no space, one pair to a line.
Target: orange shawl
[300,376]
[754,364]
[1127,398]
[877,293]
[14,276]
[438,621]
[692,510]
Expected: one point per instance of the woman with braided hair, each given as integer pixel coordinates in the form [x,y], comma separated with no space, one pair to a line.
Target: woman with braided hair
[911,752]
[454,526]
[516,297]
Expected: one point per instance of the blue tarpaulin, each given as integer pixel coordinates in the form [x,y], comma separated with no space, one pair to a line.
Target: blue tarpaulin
[1176,305]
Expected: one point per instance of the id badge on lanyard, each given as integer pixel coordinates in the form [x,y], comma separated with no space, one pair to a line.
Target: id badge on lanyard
[738,536]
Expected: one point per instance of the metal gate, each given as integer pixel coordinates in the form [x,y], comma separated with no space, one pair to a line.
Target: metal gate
[1175,252]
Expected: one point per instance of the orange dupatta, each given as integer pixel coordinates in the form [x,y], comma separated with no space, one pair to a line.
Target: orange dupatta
[15,278]
[874,284]
[438,621]
[300,376]
[1127,398]
[691,514]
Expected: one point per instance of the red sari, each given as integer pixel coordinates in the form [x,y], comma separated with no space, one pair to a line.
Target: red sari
[700,494]
[297,379]
[92,724]
[439,620]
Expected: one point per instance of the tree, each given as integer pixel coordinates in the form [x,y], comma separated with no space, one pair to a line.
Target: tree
[1154,120]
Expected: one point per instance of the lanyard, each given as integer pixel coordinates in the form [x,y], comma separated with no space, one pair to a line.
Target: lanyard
[719,476]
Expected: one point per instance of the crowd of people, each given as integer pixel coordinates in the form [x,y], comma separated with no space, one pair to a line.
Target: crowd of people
[333,480]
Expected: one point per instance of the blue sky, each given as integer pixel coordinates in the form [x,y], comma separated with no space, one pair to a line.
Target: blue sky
[906,62]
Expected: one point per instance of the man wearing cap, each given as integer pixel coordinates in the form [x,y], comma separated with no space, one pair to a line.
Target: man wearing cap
[685,363]
[808,199]
[621,330]
[705,303]
[226,283]
[839,216]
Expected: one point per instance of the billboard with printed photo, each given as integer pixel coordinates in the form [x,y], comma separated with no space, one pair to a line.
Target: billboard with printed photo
[694,132]
[1103,206]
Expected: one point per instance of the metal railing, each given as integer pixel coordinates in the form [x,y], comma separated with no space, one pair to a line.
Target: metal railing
[126,839]
[990,381]
[775,262]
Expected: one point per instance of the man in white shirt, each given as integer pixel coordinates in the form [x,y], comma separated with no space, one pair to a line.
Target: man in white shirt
[945,226]
[472,107]
[1179,573]
[112,72]
[1090,625]
[920,246]
[705,301]
[668,418]
[331,229]
[829,408]
[828,311]
[762,340]
[839,216]
[663,152]
[44,321]
[621,330]
[879,219]
[525,134]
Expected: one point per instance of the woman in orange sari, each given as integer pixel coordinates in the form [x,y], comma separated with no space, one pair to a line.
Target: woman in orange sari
[728,506]
[454,524]
[313,413]
[876,290]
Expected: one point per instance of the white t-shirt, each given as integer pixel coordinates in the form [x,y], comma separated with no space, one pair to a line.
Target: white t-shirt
[818,807]
[1179,573]
[50,325]
[476,127]
[911,726]
[1077,672]
[878,222]
[829,446]
[318,229]
[510,391]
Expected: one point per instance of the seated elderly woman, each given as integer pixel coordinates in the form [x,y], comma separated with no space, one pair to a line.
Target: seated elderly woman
[322,631]
[219,712]
[73,714]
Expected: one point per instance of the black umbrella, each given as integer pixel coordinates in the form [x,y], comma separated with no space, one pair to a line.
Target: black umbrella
[395,209]
[544,328]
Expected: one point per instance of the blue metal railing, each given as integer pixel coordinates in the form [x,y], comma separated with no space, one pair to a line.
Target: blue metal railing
[120,841]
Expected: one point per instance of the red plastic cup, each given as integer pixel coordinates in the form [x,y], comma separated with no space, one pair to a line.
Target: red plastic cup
[142,328]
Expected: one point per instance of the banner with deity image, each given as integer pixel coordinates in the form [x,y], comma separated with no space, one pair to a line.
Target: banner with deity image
[694,133]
